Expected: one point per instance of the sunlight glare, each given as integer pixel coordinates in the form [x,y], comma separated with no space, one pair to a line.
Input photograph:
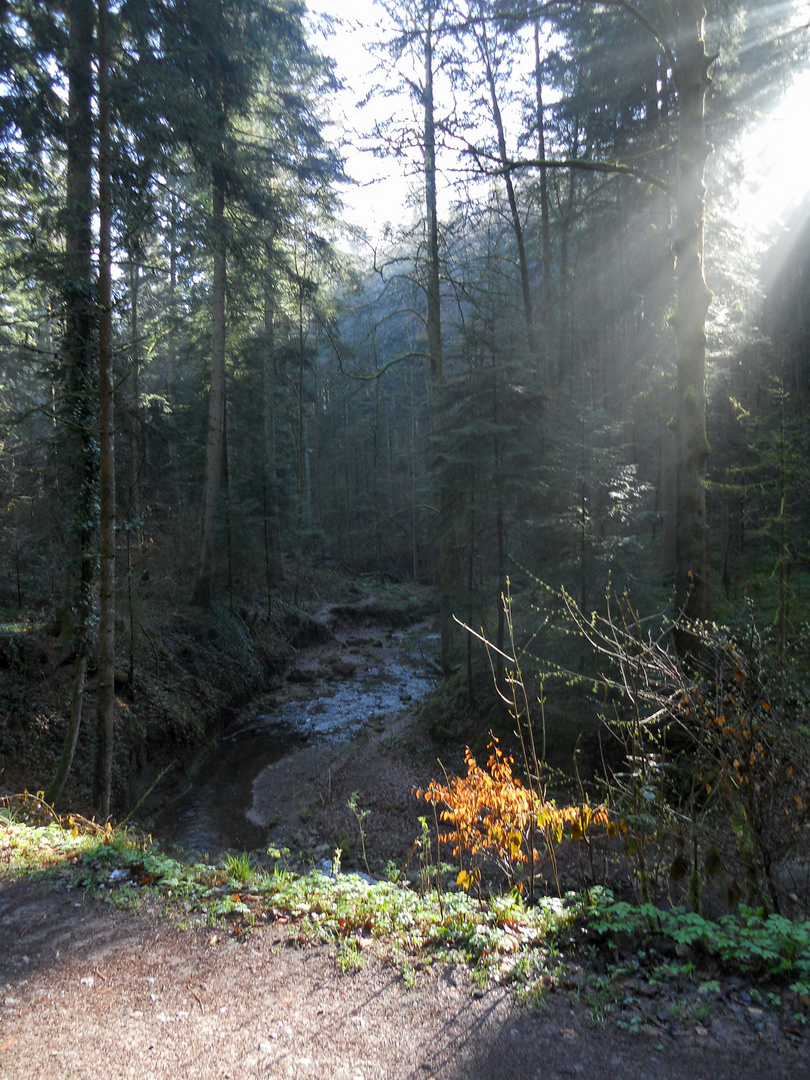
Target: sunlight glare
[777,161]
[380,190]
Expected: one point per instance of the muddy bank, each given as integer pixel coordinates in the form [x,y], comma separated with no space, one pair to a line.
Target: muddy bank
[189,670]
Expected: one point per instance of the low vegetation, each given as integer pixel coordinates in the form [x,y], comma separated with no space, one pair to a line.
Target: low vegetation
[415,921]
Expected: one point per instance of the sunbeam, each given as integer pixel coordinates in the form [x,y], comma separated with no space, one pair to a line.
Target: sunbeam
[777,161]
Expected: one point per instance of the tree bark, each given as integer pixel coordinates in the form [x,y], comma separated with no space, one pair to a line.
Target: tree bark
[514,213]
[203,586]
[667,503]
[135,402]
[274,568]
[375,466]
[300,444]
[106,629]
[78,361]
[171,353]
[549,338]
[691,75]
[434,343]
[230,486]
[500,531]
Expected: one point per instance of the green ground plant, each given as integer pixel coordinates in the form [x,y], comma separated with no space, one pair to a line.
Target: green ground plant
[500,937]
[238,867]
[753,941]
[360,815]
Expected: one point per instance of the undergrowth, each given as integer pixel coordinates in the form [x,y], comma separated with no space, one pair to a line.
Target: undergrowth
[703,797]
[501,938]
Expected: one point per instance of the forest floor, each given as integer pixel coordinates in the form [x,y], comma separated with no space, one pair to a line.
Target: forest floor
[89,991]
[92,986]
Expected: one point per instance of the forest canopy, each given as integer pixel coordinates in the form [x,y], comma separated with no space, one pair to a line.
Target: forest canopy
[571,355]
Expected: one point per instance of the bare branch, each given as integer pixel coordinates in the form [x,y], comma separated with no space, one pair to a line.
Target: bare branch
[615,168]
[538,10]
[371,376]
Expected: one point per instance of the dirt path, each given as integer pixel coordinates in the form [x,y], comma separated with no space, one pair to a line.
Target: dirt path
[87,991]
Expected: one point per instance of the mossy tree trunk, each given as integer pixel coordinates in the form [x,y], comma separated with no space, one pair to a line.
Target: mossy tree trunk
[78,361]
[106,630]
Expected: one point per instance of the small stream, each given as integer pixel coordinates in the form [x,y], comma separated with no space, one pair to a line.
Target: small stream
[226,806]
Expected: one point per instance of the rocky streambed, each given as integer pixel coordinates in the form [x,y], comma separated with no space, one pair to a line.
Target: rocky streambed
[283,771]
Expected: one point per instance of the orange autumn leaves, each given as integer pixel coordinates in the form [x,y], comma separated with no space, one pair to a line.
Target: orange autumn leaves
[490,812]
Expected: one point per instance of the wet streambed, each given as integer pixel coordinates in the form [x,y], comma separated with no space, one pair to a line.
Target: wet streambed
[330,695]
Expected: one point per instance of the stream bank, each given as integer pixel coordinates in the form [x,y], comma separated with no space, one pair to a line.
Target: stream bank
[195,672]
[284,769]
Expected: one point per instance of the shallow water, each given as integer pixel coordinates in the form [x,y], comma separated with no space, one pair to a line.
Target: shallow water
[226,805]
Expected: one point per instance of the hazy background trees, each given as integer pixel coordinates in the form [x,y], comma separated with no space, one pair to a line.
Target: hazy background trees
[521,378]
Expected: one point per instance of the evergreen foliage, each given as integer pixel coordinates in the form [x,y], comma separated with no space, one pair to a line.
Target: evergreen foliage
[489,392]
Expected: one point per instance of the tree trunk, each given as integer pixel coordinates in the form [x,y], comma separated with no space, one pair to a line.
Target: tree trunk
[434,342]
[300,446]
[106,628]
[135,403]
[413,432]
[203,587]
[230,483]
[784,556]
[500,530]
[349,509]
[471,534]
[545,218]
[57,785]
[378,547]
[171,357]
[78,360]
[691,74]
[274,568]
[517,225]
[316,461]
[667,503]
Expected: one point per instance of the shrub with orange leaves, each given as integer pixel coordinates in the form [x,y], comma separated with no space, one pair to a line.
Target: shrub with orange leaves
[491,815]
[759,771]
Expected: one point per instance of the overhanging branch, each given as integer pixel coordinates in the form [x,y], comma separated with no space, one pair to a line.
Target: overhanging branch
[364,377]
[615,168]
